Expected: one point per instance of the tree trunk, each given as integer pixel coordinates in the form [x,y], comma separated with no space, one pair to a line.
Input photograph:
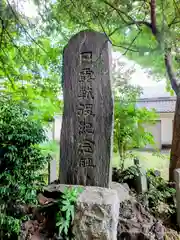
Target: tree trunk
[175,83]
[175,149]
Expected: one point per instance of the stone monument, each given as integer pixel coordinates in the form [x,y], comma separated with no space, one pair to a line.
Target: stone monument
[87,125]
[141,179]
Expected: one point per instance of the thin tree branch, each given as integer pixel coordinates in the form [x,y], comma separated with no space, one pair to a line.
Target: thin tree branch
[4,69]
[114,31]
[102,27]
[139,23]
[11,39]
[134,39]
[109,35]
[2,31]
[19,50]
[19,22]
[153,17]
[173,22]
[153,27]
[175,4]
[140,30]
[168,63]
[130,21]
[126,48]
[118,11]
[167,56]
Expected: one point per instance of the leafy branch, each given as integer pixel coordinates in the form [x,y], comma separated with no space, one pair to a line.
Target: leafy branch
[66,209]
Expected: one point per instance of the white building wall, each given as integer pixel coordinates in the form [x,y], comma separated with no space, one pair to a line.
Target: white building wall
[57,128]
[155,130]
[166,128]
[49,132]
[166,131]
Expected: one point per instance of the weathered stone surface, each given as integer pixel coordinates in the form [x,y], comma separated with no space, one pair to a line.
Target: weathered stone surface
[98,206]
[141,185]
[122,190]
[86,132]
[137,223]
[59,187]
[97,210]
[141,181]
[157,173]
[172,234]
[96,215]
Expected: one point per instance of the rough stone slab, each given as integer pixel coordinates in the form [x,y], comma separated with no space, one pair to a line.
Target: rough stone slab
[135,222]
[87,124]
[121,189]
[141,185]
[141,182]
[96,214]
[97,211]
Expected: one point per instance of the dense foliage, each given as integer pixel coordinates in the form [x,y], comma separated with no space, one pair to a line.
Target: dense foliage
[160,195]
[128,24]
[30,62]
[65,215]
[21,161]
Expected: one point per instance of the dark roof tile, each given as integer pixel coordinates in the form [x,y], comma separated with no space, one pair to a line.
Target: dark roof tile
[160,105]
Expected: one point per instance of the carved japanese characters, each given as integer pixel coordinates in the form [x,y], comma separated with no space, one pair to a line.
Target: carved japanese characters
[88,111]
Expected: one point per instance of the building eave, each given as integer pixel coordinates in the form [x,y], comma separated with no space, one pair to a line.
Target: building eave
[159,99]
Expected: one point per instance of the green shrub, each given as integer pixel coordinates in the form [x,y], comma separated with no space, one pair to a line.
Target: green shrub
[65,215]
[159,192]
[159,197]
[129,123]
[126,175]
[21,161]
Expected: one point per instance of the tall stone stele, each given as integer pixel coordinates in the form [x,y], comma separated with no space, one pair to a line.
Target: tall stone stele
[86,133]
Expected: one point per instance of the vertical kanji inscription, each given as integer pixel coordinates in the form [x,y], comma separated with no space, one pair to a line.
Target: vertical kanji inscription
[86,133]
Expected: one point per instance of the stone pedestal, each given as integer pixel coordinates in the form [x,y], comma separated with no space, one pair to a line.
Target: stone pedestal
[96,214]
[97,210]
[141,180]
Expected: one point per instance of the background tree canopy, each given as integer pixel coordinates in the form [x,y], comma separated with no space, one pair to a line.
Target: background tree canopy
[32,48]
[128,25]
[30,63]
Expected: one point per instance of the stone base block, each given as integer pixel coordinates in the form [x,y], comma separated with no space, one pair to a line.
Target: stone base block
[96,214]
